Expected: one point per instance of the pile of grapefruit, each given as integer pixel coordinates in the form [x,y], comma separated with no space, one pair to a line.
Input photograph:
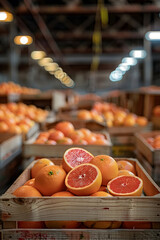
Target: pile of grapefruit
[81,174]
[65,133]
[112,115]
[154,141]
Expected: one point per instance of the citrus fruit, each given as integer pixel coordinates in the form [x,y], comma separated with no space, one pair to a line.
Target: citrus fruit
[103,188]
[50,180]
[62,194]
[125,172]
[30,224]
[84,179]
[56,135]
[125,186]
[101,194]
[108,167]
[65,127]
[137,225]
[30,182]
[62,224]
[65,140]
[98,224]
[125,165]
[27,191]
[43,162]
[115,224]
[74,157]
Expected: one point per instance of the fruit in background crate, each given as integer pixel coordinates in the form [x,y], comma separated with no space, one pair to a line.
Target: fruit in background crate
[125,165]
[154,141]
[108,167]
[66,141]
[30,224]
[84,115]
[129,120]
[141,121]
[27,191]
[65,127]
[125,186]
[50,179]
[74,157]
[41,163]
[55,135]
[84,179]
[156,111]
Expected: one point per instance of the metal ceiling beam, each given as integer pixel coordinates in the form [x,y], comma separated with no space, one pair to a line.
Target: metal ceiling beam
[44,29]
[90,9]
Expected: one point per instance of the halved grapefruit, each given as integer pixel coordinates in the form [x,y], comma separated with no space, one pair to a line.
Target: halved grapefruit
[125,186]
[84,179]
[74,157]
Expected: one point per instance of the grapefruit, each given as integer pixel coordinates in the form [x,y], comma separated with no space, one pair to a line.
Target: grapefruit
[125,165]
[74,157]
[84,179]
[98,224]
[125,186]
[108,167]
[125,172]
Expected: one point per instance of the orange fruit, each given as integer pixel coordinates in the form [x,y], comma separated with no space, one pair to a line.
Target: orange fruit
[85,131]
[142,121]
[91,139]
[80,142]
[30,224]
[137,225]
[62,194]
[103,188]
[84,179]
[30,182]
[62,224]
[27,191]
[76,135]
[56,135]
[50,180]
[125,165]
[3,127]
[65,140]
[156,111]
[129,120]
[125,186]
[101,142]
[115,224]
[84,114]
[51,142]
[43,162]
[65,127]
[101,194]
[125,172]
[98,224]
[108,167]
[74,157]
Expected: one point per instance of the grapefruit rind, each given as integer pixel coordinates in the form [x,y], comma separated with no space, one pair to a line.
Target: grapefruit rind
[86,190]
[67,167]
[136,192]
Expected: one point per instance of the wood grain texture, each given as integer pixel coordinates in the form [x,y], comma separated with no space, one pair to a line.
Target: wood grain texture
[85,234]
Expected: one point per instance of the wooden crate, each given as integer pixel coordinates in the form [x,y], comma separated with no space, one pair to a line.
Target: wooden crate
[153,171]
[43,150]
[9,144]
[144,208]
[6,98]
[152,155]
[34,129]
[123,139]
[152,99]
[156,123]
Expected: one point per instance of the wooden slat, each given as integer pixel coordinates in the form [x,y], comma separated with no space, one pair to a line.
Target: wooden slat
[85,234]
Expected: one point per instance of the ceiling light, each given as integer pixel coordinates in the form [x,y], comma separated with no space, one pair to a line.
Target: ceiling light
[36,55]
[115,76]
[124,67]
[45,61]
[23,40]
[51,67]
[153,35]
[6,16]
[129,61]
[138,53]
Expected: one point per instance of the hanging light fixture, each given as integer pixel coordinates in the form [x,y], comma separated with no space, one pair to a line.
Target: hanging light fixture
[51,67]
[23,40]
[6,16]
[45,61]
[37,55]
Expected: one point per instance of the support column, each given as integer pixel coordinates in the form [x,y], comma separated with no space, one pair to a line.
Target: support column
[148,68]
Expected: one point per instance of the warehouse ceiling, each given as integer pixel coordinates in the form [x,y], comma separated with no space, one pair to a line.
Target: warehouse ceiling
[64,29]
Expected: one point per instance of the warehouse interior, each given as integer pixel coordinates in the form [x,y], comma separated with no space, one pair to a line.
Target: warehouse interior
[85,46]
[79,119]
